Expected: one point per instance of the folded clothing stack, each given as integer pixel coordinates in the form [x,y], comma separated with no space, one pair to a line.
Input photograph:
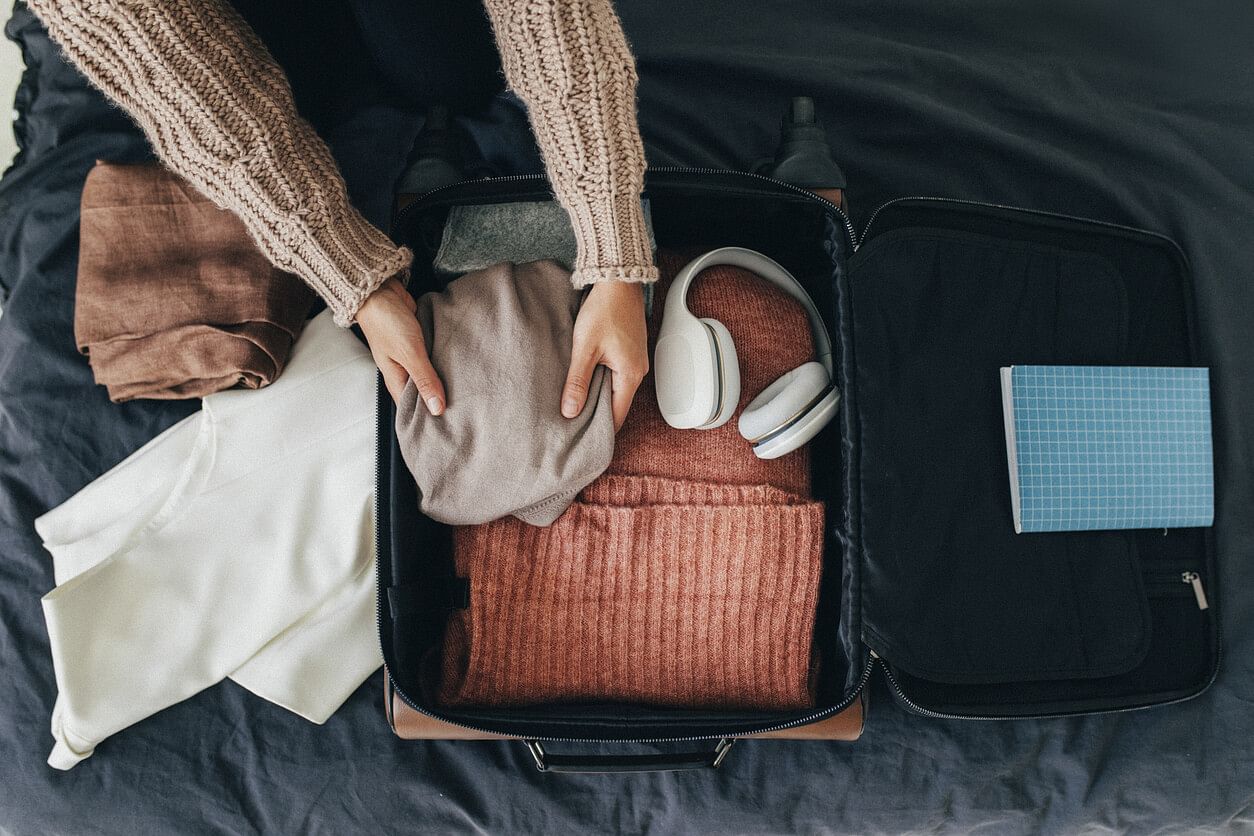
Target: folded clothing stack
[647,590]
[174,299]
[687,575]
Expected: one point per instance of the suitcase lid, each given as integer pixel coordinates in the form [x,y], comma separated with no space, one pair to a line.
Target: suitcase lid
[972,619]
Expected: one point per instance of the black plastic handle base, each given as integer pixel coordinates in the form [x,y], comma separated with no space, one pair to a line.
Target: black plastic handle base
[660,762]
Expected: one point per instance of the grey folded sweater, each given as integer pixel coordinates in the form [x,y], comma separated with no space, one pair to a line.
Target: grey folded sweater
[500,339]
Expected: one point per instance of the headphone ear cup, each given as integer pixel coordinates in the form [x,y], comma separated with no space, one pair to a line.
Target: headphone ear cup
[728,370]
[806,428]
[685,372]
[783,401]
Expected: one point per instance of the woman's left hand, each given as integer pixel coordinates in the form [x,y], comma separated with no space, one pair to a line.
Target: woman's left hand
[609,331]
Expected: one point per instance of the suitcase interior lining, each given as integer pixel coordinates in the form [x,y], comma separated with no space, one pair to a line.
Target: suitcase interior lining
[972,617]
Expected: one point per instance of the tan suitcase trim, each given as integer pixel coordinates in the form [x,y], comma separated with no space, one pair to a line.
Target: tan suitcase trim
[414,725]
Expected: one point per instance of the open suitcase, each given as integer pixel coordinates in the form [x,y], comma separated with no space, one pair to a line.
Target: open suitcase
[923,576]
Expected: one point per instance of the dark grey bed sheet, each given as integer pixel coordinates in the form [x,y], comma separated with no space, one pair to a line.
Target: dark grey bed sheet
[1144,118]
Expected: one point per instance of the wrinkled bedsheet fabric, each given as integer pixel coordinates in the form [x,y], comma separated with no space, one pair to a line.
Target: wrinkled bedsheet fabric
[1127,114]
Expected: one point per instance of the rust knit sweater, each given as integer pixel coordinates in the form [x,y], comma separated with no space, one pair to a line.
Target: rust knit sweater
[218,111]
[647,590]
[687,575]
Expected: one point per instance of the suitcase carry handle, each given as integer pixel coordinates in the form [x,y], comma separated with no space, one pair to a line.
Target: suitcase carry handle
[660,762]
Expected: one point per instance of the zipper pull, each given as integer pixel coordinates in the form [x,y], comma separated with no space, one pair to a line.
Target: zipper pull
[1195,580]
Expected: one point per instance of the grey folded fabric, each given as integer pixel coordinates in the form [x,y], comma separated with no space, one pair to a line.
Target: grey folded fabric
[478,235]
[500,339]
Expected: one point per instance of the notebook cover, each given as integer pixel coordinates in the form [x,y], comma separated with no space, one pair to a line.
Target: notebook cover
[1108,447]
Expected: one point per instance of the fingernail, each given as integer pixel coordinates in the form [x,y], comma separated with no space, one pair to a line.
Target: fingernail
[570,408]
[435,405]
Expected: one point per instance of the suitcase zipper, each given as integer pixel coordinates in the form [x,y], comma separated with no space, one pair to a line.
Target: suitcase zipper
[1182,582]
[422,198]
[866,230]
[672,169]
[927,712]
[848,224]
[1187,577]
[856,241]
[1199,594]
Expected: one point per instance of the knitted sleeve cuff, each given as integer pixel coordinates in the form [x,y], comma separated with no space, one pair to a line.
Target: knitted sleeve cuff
[612,238]
[345,261]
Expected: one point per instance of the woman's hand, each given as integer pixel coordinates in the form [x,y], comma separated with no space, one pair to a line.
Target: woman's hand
[609,331]
[395,337]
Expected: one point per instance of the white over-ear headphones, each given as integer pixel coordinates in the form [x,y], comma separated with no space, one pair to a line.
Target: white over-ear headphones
[697,375]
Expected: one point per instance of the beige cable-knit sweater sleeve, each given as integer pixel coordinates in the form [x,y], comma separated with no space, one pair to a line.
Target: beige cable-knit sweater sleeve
[570,63]
[219,112]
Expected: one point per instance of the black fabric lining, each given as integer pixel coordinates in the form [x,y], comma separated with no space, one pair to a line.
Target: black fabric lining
[1183,649]
[950,593]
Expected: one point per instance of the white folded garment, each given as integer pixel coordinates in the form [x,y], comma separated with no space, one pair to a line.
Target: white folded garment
[237,543]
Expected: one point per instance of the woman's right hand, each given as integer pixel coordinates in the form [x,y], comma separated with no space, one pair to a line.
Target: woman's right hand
[388,320]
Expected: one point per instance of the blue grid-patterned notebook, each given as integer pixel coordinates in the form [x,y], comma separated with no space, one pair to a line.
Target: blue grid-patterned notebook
[1103,447]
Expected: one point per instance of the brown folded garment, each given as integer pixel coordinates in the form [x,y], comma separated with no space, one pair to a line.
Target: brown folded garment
[174,299]
[646,590]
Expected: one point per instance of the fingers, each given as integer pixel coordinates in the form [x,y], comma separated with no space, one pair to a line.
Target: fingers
[610,331]
[413,358]
[395,337]
[624,385]
[426,381]
[422,373]
[578,379]
[394,377]
[625,378]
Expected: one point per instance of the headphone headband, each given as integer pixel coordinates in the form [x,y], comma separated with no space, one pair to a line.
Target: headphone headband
[770,270]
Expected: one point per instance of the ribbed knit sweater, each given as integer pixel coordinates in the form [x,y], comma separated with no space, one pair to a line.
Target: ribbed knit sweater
[218,111]
[648,590]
